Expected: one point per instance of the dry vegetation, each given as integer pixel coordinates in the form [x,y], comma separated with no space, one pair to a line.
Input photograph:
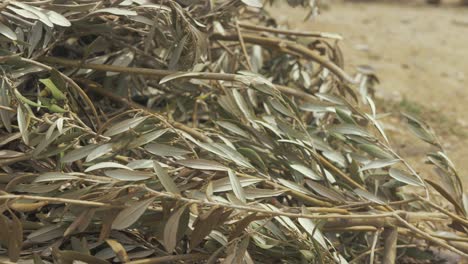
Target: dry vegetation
[202,132]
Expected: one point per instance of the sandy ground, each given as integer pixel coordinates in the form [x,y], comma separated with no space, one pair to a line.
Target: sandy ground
[420,53]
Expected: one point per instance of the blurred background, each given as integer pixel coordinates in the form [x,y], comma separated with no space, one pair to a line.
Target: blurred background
[418,50]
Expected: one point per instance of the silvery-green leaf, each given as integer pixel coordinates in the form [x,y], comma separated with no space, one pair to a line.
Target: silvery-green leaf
[242,104]
[165,150]
[224,184]
[375,151]
[306,171]
[379,127]
[345,116]
[122,60]
[54,176]
[420,129]
[253,194]
[331,98]
[348,129]
[166,181]
[106,165]
[227,153]
[372,106]
[202,164]
[5,115]
[405,177]
[294,186]
[324,191]
[233,128]
[336,157]
[178,75]
[7,32]
[79,153]
[253,3]
[283,220]
[236,186]
[310,227]
[369,196]
[22,12]
[23,123]
[124,126]
[280,107]
[129,175]
[99,152]
[36,11]
[147,138]
[58,19]
[143,164]
[378,164]
[6,153]
[35,37]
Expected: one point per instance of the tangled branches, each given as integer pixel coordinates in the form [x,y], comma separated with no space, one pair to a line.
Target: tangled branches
[181,131]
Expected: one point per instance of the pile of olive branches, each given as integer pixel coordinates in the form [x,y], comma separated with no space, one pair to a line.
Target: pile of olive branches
[171,131]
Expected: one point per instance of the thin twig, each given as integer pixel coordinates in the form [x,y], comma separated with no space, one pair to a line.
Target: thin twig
[374,244]
[290,32]
[58,200]
[442,210]
[242,44]
[429,238]
[390,245]
[379,249]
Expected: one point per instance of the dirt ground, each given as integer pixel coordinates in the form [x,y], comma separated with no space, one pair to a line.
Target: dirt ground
[420,54]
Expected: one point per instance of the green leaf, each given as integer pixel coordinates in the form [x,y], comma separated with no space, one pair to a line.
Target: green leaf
[56,93]
[25,100]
